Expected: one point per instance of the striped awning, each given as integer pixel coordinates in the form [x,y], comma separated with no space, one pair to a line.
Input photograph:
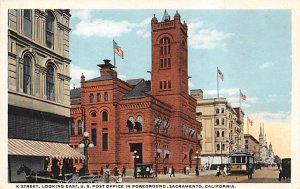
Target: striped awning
[43,149]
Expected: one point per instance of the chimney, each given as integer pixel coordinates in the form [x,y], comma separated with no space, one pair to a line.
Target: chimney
[107,69]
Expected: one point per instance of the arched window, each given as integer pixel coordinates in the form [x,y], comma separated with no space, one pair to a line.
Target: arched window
[139,124]
[217,110]
[222,110]
[164,46]
[130,124]
[28,22]
[80,127]
[91,98]
[223,146]
[105,116]
[27,74]
[94,114]
[49,30]
[72,128]
[218,134]
[218,146]
[223,121]
[50,83]
[217,122]
[223,133]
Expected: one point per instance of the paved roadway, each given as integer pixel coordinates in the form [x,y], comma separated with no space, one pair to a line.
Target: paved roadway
[265,175]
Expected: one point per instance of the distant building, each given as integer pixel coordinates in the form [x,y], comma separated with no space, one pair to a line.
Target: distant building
[222,125]
[267,156]
[38,88]
[123,117]
[252,145]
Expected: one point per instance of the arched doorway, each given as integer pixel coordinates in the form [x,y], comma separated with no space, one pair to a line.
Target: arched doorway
[190,157]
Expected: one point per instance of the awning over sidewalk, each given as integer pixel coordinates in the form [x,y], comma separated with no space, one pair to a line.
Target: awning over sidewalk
[39,148]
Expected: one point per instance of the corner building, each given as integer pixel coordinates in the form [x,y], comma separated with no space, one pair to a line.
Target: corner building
[122,117]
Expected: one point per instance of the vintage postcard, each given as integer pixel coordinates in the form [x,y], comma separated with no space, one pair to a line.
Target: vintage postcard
[125,94]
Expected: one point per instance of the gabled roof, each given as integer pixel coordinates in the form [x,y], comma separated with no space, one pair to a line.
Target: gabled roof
[75,93]
[134,82]
[102,78]
[139,91]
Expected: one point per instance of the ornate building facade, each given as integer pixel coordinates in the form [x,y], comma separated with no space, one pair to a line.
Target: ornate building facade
[267,156]
[222,131]
[154,118]
[38,86]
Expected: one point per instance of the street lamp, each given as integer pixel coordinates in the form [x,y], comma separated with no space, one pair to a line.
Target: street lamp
[85,144]
[197,162]
[135,156]
[156,153]
[221,151]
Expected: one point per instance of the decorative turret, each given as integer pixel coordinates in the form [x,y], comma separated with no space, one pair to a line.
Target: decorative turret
[82,78]
[177,16]
[154,20]
[166,17]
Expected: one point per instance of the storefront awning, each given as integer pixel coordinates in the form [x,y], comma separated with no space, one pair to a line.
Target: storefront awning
[39,148]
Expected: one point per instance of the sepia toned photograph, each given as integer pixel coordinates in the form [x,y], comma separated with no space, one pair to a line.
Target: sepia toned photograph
[148,97]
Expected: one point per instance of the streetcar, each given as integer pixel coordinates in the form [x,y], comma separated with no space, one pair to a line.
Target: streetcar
[238,162]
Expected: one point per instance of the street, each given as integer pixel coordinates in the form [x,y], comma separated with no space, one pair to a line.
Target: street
[265,175]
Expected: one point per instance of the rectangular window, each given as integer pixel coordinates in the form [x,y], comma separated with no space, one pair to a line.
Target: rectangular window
[165,84]
[94,136]
[72,128]
[165,63]
[161,63]
[98,97]
[160,84]
[169,84]
[161,50]
[27,23]
[106,96]
[169,62]
[104,140]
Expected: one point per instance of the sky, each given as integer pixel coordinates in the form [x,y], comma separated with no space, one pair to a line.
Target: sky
[252,48]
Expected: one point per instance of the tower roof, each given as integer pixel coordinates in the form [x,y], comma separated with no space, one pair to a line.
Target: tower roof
[166,17]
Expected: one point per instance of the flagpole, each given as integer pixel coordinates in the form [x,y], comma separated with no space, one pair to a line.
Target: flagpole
[240,100]
[217,83]
[114,55]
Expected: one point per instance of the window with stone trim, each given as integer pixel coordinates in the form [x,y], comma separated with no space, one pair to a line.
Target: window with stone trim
[80,128]
[164,46]
[50,83]
[98,97]
[94,114]
[105,96]
[27,15]
[72,128]
[218,147]
[27,79]
[91,98]
[49,30]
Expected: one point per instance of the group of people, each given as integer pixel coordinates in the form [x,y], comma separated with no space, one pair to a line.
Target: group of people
[222,172]
[67,167]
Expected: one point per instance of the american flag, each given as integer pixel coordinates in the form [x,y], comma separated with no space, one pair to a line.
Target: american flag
[243,97]
[118,50]
[220,75]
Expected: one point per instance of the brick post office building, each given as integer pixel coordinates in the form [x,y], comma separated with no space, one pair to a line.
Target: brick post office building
[122,117]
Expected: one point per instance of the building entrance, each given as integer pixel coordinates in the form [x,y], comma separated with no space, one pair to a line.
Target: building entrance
[139,149]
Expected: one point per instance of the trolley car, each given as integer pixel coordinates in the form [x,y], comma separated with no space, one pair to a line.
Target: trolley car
[238,162]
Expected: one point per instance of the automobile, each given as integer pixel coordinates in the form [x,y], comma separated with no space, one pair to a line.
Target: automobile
[285,171]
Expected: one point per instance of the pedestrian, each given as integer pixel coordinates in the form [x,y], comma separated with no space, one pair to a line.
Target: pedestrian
[165,169]
[218,171]
[187,170]
[172,171]
[106,174]
[250,171]
[225,171]
[197,170]
[147,171]
[116,171]
[124,171]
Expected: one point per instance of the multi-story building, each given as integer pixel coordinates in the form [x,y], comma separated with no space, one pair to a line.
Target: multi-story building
[222,128]
[38,88]
[154,118]
[252,145]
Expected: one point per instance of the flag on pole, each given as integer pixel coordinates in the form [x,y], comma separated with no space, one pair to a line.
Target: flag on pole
[243,97]
[118,50]
[220,75]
